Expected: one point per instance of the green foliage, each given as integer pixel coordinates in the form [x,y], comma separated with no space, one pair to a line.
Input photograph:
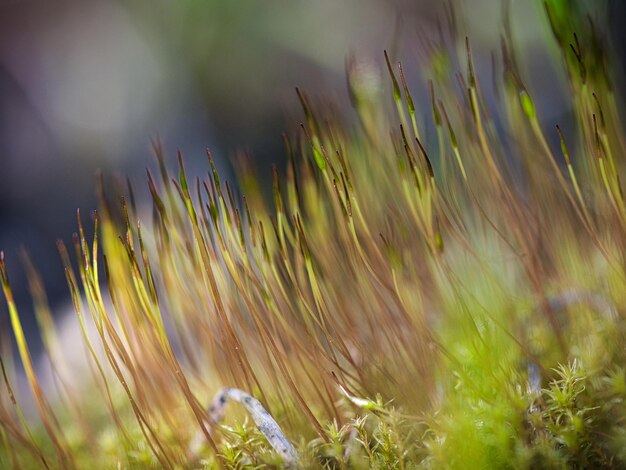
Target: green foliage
[403,301]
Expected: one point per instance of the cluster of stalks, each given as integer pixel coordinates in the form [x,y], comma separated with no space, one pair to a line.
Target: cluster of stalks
[423,288]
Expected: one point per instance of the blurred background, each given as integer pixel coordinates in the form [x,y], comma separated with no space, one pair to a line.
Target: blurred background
[86,86]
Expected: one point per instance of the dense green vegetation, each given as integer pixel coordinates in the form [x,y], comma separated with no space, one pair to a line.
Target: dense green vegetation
[423,290]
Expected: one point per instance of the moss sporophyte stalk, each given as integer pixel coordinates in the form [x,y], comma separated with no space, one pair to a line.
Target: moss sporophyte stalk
[439,283]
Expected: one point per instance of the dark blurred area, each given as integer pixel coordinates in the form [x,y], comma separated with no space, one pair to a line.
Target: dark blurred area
[87,85]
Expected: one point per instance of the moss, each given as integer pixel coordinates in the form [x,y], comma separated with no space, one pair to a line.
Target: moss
[403,301]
